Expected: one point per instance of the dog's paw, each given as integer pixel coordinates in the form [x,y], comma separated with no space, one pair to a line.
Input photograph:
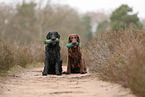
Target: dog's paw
[67,73]
[64,72]
[44,74]
[82,72]
[58,74]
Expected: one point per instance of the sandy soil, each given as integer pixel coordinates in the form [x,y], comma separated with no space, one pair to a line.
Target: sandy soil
[30,83]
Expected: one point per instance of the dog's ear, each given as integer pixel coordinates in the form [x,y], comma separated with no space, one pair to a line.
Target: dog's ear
[58,36]
[69,39]
[78,38]
[48,35]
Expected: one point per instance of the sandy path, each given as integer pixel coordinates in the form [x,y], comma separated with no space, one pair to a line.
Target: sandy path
[30,83]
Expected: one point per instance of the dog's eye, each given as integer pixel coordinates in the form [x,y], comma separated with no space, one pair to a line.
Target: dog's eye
[55,34]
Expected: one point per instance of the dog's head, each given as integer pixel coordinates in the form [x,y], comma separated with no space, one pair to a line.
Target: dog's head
[73,39]
[53,35]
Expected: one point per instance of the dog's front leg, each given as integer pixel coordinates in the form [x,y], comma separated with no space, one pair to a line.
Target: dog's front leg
[68,67]
[46,67]
[81,67]
[57,68]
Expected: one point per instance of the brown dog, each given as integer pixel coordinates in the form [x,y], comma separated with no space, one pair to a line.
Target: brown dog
[74,59]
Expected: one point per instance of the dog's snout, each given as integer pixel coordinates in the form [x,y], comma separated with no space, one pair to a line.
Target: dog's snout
[74,43]
[53,39]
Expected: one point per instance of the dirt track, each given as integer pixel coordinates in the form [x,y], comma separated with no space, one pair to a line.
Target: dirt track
[30,83]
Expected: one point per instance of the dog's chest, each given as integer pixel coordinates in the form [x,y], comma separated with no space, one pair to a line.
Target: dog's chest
[53,53]
[74,54]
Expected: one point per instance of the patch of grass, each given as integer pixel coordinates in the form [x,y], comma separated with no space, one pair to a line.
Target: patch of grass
[15,69]
[18,67]
[119,57]
[39,64]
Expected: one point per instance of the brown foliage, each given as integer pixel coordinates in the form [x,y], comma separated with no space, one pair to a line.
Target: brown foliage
[119,57]
[6,56]
[14,54]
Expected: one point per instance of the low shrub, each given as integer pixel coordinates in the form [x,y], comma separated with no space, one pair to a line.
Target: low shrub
[6,56]
[23,56]
[15,54]
[119,57]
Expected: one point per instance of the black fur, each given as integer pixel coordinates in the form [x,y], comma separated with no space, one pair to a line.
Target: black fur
[53,64]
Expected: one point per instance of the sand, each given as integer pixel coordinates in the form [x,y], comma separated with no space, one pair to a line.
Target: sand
[31,83]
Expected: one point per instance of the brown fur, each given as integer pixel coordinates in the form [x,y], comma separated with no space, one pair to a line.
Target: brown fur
[74,58]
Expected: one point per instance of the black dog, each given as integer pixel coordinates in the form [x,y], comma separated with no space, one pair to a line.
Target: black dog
[53,64]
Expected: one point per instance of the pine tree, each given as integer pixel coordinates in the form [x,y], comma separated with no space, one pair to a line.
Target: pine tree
[122,18]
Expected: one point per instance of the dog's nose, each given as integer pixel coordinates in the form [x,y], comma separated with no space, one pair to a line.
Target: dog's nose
[74,43]
[53,39]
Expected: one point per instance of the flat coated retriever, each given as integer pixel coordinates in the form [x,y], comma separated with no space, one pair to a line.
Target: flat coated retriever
[75,62]
[53,64]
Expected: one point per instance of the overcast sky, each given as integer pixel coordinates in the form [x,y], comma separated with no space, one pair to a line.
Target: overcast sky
[96,5]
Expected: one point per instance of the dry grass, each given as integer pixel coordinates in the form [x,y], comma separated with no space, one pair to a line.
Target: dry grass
[6,56]
[14,54]
[119,57]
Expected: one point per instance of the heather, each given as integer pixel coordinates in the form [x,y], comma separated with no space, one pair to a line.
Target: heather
[119,57]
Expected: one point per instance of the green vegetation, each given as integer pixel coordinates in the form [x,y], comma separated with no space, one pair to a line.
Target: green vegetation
[119,57]
[121,18]
[103,26]
[87,27]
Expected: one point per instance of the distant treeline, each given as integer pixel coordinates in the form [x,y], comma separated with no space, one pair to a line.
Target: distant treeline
[30,22]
